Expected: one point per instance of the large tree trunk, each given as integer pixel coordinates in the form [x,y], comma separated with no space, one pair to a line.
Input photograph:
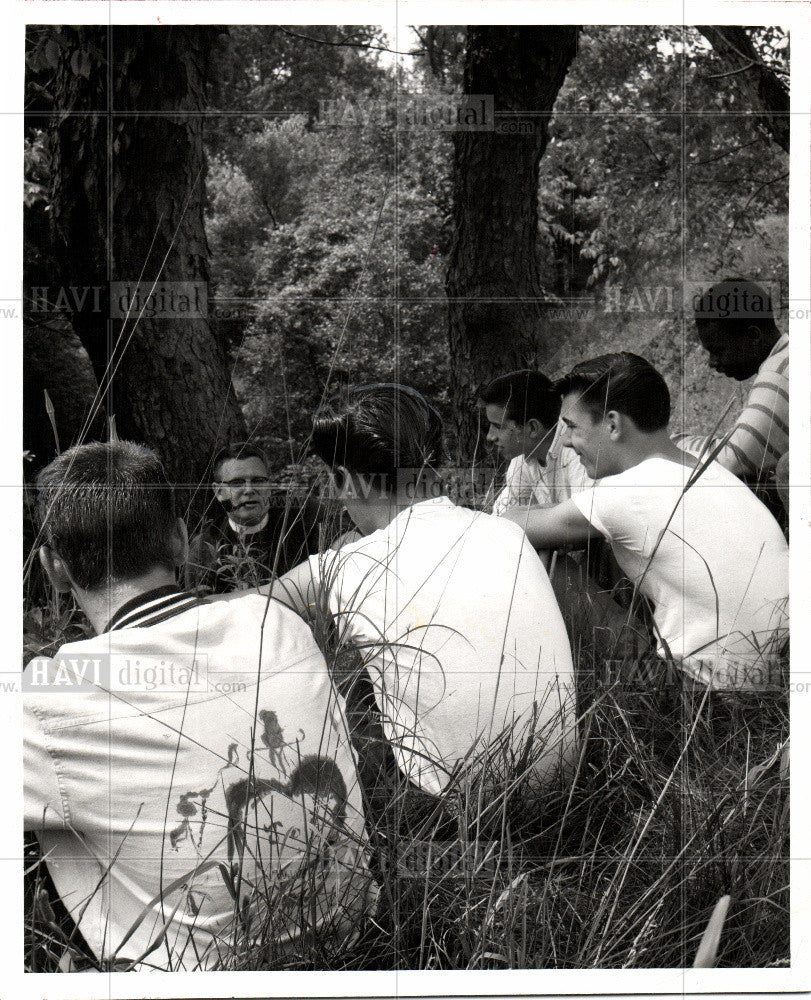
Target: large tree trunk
[128,207]
[494,294]
[763,90]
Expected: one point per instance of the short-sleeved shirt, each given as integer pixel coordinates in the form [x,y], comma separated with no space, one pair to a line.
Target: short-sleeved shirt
[760,436]
[191,751]
[528,482]
[712,560]
[462,636]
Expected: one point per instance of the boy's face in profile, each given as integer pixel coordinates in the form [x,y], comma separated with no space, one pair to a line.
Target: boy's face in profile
[504,433]
[589,438]
[734,350]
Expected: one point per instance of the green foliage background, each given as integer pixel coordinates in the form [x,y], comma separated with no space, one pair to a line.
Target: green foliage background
[329,231]
[329,242]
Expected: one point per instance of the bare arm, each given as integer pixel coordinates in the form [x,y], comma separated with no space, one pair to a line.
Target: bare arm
[555,527]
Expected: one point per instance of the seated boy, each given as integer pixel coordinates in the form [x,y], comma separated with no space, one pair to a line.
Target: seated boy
[186,770]
[452,609]
[695,541]
[736,327]
[523,410]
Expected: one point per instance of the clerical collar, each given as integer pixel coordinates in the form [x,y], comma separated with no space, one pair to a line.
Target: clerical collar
[248,529]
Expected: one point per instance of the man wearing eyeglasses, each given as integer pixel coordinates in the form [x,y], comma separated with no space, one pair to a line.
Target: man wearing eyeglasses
[254,538]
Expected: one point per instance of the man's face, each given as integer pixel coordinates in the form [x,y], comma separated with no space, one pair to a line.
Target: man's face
[734,351]
[590,439]
[505,434]
[242,488]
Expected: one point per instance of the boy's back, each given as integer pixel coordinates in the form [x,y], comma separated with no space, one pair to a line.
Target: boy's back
[462,634]
[190,774]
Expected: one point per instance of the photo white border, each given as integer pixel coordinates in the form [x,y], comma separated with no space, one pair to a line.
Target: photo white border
[14,983]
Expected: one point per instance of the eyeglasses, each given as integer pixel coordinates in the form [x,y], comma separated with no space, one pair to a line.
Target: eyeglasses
[240,483]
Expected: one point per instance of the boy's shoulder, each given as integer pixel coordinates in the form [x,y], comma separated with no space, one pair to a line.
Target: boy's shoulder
[251,615]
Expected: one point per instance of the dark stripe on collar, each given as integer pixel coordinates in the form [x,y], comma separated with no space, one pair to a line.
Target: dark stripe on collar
[151,607]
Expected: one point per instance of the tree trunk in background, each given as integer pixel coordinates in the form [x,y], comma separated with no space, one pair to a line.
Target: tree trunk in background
[763,90]
[494,295]
[128,206]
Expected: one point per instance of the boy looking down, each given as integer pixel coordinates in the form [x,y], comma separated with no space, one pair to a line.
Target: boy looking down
[452,608]
[695,541]
[736,327]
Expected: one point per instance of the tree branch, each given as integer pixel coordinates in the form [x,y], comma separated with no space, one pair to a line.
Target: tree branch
[740,215]
[341,43]
[762,87]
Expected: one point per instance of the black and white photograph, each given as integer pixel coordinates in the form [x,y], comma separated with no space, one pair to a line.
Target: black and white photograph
[406,507]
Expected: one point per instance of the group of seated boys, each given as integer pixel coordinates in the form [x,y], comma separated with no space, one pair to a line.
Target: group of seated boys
[188,770]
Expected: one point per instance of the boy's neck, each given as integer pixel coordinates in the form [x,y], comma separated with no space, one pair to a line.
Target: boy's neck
[369,517]
[655,445]
[101,604]
[539,451]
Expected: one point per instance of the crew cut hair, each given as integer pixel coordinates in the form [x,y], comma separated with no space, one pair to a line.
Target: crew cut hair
[525,395]
[108,510]
[735,304]
[378,429]
[623,382]
[236,450]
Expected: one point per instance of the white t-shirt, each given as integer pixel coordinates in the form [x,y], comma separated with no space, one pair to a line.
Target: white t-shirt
[461,633]
[529,482]
[716,571]
[184,756]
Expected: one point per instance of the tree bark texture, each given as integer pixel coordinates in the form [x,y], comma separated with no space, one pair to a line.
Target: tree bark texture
[129,189]
[495,300]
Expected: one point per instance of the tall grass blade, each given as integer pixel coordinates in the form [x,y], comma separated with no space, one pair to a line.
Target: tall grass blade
[49,409]
[707,954]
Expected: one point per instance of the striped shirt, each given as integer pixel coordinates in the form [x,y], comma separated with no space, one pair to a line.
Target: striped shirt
[760,436]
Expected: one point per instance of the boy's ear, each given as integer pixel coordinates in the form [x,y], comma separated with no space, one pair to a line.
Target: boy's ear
[534,428]
[56,569]
[758,339]
[614,422]
[220,492]
[180,543]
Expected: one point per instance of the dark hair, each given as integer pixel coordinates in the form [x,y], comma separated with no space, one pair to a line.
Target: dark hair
[735,304]
[378,429]
[623,382]
[108,510]
[524,395]
[236,450]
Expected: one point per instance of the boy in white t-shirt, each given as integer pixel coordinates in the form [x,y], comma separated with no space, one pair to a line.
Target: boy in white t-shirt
[523,411]
[452,609]
[695,541]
